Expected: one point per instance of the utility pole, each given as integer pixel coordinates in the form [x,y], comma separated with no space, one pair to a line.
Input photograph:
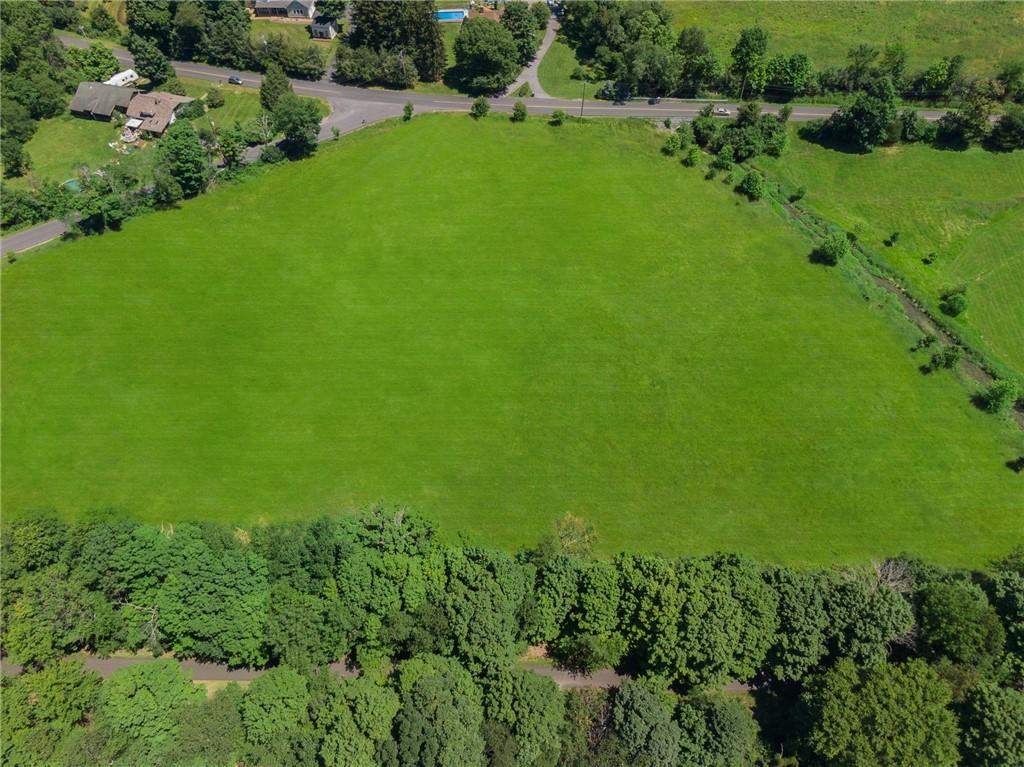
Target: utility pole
[583,96]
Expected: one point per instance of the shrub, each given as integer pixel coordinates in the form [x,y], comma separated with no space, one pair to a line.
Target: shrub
[524,91]
[685,133]
[692,157]
[480,108]
[174,85]
[558,117]
[724,159]
[192,110]
[518,112]
[271,154]
[798,195]
[947,358]
[215,98]
[671,145]
[954,302]
[407,111]
[833,249]
[753,185]
[1001,396]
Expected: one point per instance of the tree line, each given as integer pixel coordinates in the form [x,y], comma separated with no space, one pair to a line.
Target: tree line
[632,48]
[902,662]
[397,44]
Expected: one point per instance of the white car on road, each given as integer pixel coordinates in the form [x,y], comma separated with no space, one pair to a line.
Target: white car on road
[722,111]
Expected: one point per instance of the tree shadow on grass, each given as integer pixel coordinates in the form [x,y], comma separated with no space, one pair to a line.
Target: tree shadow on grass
[816,133]
[1016,465]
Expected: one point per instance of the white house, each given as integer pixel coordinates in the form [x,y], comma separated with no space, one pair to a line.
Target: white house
[121,79]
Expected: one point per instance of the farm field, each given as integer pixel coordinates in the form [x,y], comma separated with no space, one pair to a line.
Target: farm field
[987,34]
[965,207]
[656,356]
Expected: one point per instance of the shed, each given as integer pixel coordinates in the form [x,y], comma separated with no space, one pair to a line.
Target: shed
[324,28]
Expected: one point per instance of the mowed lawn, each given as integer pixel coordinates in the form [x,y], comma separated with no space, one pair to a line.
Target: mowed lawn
[965,207]
[493,324]
[988,34]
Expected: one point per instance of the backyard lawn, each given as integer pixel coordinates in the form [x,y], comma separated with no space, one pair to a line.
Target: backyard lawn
[462,336]
[967,208]
[63,145]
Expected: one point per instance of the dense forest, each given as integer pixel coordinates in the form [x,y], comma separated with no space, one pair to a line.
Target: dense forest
[896,663]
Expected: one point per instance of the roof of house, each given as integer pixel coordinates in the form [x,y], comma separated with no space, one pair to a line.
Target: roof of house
[100,98]
[281,3]
[155,109]
[324,21]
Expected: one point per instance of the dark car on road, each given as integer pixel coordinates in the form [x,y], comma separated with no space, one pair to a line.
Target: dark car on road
[235,79]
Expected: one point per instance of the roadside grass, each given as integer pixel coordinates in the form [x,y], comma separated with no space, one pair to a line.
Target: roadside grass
[464,337]
[987,34]
[213,686]
[555,73]
[965,207]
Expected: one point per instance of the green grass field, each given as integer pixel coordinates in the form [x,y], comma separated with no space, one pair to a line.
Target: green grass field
[988,33]
[966,207]
[655,355]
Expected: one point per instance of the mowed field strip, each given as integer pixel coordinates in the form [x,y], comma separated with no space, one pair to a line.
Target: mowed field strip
[965,207]
[494,324]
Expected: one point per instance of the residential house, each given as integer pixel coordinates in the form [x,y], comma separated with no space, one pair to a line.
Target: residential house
[97,101]
[154,112]
[289,9]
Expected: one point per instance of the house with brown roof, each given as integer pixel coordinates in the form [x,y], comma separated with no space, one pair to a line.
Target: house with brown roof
[97,101]
[153,112]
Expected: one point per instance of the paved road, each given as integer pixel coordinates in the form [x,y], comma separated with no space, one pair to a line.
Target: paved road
[354,105]
[29,238]
[352,108]
[530,73]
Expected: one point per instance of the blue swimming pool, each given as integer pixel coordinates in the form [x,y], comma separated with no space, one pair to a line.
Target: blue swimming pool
[451,14]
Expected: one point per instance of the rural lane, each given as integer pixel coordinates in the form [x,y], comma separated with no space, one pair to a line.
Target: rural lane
[217,672]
